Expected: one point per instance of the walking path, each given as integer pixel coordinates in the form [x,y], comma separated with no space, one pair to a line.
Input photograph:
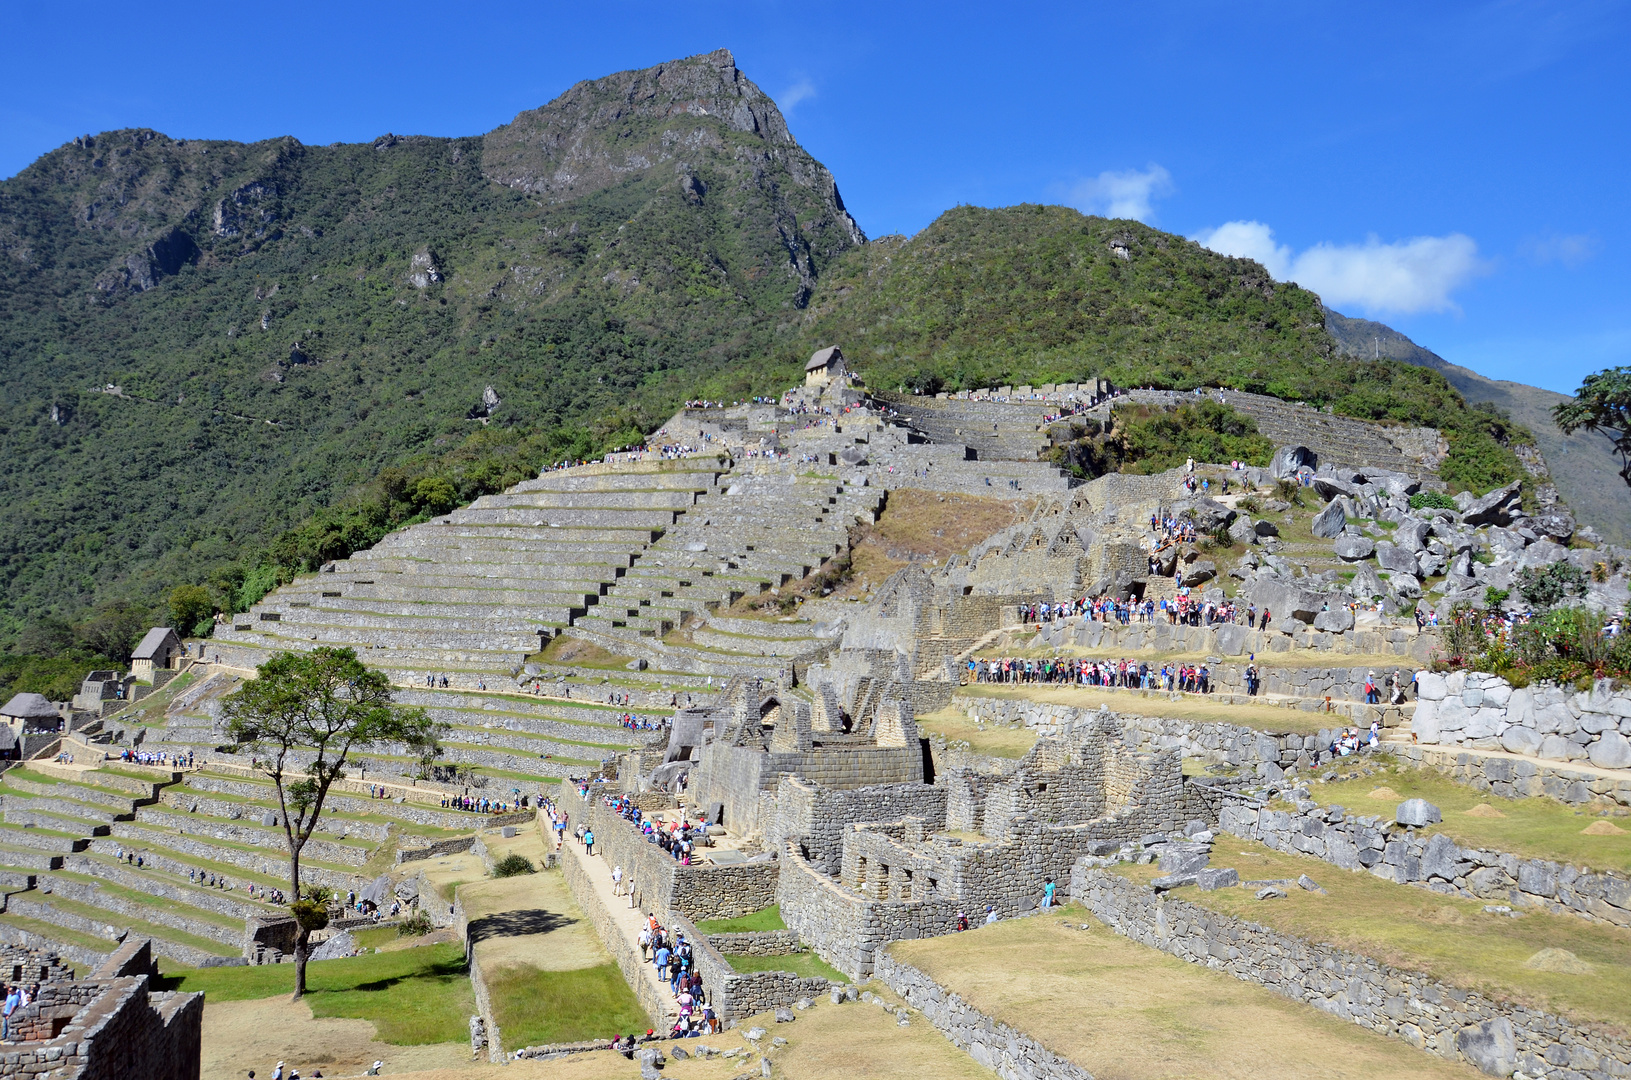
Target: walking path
[628,921]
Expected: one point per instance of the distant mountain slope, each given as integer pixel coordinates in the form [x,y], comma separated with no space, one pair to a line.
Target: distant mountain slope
[203,341]
[1584,469]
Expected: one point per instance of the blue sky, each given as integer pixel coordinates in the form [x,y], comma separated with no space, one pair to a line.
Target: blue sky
[1456,170]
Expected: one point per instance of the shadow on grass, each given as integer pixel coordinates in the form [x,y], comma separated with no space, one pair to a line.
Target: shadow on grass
[516,924]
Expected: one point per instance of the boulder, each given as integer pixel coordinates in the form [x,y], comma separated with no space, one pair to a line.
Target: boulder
[784,1015]
[1329,522]
[1411,535]
[1242,532]
[1491,1046]
[1417,813]
[1223,877]
[1209,514]
[1334,622]
[1543,553]
[337,947]
[1611,751]
[1495,508]
[1521,740]
[1284,599]
[1288,459]
[1430,686]
[1332,487]
[1354,548]
[1266,528]
[1202,570]
[1366,585]
[1556,523]
[1395,559]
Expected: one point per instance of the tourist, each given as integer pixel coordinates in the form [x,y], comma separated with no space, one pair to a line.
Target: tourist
[962,920]
[617,880]
[1047,893]
[990,914]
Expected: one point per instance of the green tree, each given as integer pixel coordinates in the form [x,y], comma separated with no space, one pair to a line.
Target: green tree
[1602,404]
[302,717]
[190,609]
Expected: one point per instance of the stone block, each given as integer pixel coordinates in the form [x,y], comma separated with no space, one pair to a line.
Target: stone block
[1611,751]
[1226,877]
[1491,1046]
[1417,813]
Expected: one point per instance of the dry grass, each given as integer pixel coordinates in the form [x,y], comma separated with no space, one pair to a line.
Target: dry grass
[1445,937]
[1154,703]
[926,527]
[579,653]
[957,726]
[860,1040]
[1538,827]
[1123,1011]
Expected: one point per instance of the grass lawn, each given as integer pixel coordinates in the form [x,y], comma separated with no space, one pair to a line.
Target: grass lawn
[534,1007]
[577,652]
[1537,827]
[1445,937]
[1155,703]
[413,997]
[805,964]
[1123,1010]
[769,918]
[955,725]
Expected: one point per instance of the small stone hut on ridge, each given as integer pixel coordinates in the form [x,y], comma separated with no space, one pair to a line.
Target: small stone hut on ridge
[826,367]
[159,648]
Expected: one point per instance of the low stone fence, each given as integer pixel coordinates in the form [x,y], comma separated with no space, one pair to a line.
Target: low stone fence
[1232,639]
[1436,862]
[457,845]
[1012,1054]
[755,943]
[1485,712]
[1460,1025]
[1267,753]
[739,994]
[1511,777]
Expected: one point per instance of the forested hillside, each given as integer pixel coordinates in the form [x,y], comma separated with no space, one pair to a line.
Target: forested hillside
[226,362]
[206,341]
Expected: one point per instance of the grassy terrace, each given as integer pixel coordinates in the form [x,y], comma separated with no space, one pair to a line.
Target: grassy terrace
[1540,828]
[1122,1010]
[954,725]
[1195,708]
[1445,937]
[138,927]
[147,899]
[769,918]
[412,996]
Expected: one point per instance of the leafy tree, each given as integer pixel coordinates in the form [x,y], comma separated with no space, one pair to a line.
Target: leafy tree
[302,717]
[190,609]
[114,629]
[1602,404]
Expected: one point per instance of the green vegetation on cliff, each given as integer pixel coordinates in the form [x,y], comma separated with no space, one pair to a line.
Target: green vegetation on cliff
[227,363]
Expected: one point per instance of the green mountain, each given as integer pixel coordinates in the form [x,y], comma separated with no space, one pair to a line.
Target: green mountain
[1584,468]
[206,341]
[228,359]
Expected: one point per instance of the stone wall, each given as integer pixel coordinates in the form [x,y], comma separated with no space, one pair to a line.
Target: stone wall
[1511,777]
[1452,1023]
[440,847]
[755,942]
[1012,1054]
[737,994]
[1233,639]
[815,817]
[1436,862]
[661,884]
[1485,712]
[846,930]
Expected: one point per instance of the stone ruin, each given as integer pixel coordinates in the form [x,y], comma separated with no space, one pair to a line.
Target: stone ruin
[107,1026]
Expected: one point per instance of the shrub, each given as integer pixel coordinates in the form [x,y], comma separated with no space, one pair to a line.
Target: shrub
[1431,500]
[416,925]
[512,865]
[1548,586]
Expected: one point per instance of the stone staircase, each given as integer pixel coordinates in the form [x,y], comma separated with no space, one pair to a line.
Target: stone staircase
[90,855]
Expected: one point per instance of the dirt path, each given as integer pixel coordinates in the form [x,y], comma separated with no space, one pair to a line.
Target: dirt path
[629,921]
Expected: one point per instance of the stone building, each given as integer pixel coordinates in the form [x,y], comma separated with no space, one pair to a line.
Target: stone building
[160,648]
[826,368]
[30,714]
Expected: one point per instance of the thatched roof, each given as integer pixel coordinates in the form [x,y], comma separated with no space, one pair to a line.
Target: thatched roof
[29,707]
[823,357]
[153,641]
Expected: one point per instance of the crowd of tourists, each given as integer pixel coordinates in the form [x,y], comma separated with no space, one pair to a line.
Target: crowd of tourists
[635,722]
[1075,671]
[14,996]
[160,758]
[480,804]
[1183,610]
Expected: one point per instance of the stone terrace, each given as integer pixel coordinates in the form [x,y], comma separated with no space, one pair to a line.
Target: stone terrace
[70,837]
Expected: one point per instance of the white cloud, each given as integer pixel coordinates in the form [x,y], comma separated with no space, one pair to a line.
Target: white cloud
[1403,277]
[1127,194]
[803,90]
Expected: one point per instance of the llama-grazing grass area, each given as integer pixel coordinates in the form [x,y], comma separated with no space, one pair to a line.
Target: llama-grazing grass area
[1538,828]
[1124,1011]
[1446,937]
